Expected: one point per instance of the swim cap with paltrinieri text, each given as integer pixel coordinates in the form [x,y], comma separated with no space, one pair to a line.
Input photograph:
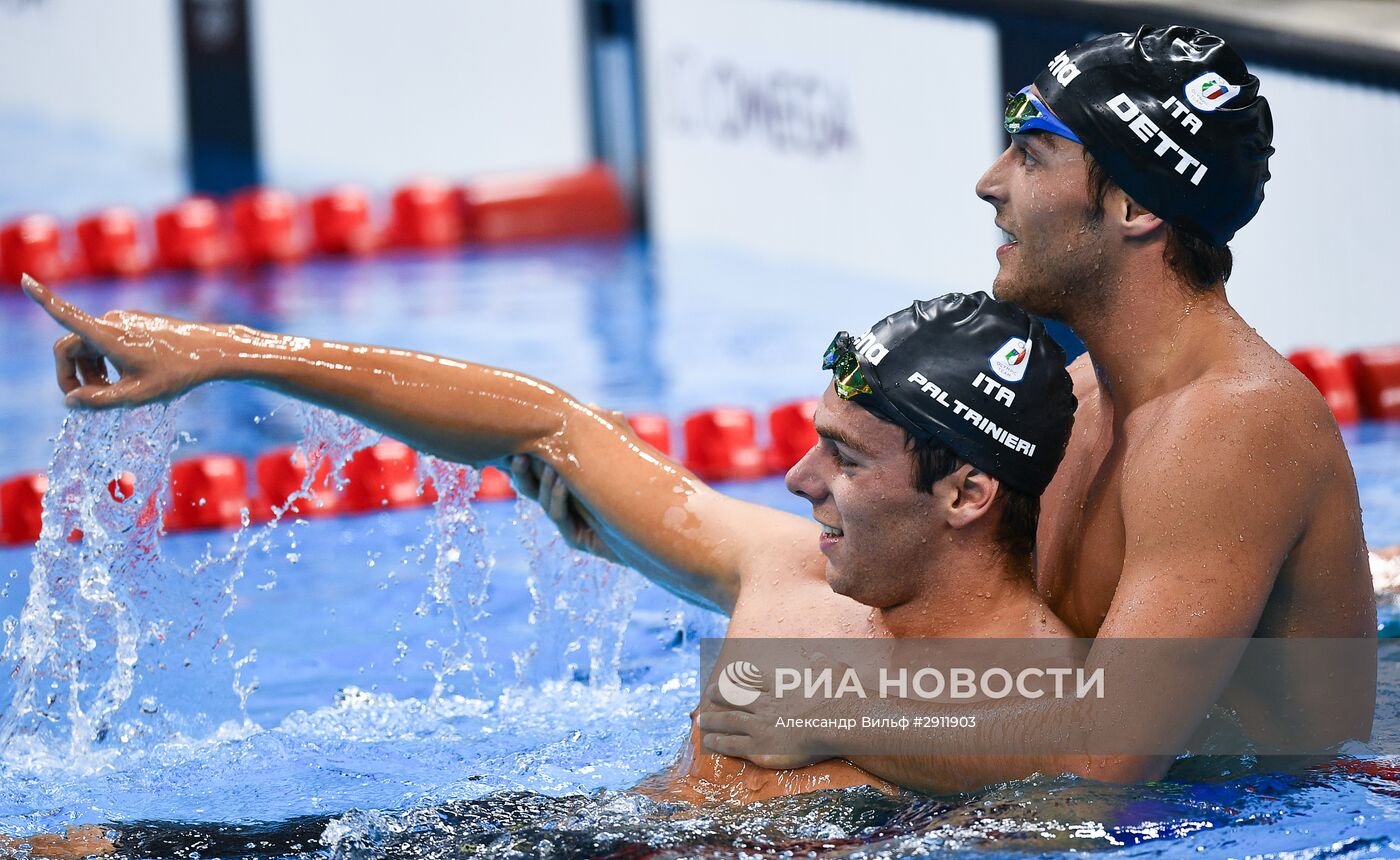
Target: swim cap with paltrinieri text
[979,375]
[1174,118]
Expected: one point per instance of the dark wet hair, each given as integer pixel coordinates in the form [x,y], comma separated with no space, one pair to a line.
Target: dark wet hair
[1198,263]
[934,461]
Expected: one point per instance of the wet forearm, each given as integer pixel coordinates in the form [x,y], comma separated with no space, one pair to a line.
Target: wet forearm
[472,413]
[966,755]
[453,409]
[996,741]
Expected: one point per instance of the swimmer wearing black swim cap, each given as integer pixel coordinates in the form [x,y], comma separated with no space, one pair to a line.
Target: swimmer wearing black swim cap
[1175,118]
[972,373]
[934,438]
[1172,119]
[1205,491]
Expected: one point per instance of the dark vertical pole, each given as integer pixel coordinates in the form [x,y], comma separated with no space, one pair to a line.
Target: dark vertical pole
[613,59]
[596,22]
[220,129]
[1027,44]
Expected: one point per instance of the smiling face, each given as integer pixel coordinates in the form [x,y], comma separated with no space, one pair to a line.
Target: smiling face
[1053,259]
[878,530]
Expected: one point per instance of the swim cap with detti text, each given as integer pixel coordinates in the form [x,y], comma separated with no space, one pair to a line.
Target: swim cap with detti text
[1174,118]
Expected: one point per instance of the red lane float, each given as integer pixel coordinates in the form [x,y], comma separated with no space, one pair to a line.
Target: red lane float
[22,508]
[494,485]
[652,429]
[282,472]
[1325,370]
[110,243]
[1376,374]
[793,432]
[30,245]
[122,487]
[340,222]
[188,235]
[261,225]
[720,445]
[265,226]
[427,214]
[531,208]
[207,492]
[382,476]
[22,505]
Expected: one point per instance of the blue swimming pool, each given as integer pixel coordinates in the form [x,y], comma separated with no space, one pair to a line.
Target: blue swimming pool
[450,681]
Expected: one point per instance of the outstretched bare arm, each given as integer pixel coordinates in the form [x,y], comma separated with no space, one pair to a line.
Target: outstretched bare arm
[452,409]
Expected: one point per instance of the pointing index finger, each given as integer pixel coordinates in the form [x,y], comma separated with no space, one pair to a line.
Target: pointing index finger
[68,315]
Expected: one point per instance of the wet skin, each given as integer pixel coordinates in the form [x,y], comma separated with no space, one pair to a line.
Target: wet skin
[941,574]
[891,572]
[1193,437]
[1205,492]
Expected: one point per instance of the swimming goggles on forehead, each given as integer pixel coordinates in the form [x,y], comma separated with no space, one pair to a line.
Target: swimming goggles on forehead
[842,361]
[1025,112]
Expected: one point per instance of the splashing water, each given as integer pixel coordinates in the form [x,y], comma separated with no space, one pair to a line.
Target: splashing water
[460,573]
[580,607]
[112,626]
[73,652]
[117,622]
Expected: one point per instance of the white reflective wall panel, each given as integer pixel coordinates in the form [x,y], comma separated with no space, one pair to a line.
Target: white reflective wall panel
[373,92]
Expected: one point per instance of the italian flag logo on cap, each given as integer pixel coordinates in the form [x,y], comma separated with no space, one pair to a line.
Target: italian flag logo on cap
[1210,91]
[1009,361]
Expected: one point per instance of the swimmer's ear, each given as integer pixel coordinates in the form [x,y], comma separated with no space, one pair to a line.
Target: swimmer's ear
[1135,220]
[974,491]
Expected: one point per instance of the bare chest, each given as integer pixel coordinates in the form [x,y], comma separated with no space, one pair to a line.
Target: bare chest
[1080,540]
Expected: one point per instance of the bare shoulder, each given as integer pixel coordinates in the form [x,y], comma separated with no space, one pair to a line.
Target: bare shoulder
[1245,428]
[1256,411]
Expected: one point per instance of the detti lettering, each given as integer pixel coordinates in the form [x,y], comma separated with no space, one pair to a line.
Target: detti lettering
[1143,126]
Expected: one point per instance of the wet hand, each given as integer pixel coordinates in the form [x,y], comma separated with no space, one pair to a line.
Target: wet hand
[535,479]
[157,358]
[751,732]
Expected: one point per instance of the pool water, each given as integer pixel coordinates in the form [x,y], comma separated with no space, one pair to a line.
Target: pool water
[451,681]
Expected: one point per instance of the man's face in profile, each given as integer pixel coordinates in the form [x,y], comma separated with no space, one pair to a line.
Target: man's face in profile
[1052,251]
[859,478]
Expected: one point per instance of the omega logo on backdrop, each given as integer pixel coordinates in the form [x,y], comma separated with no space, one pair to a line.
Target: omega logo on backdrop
[789,110]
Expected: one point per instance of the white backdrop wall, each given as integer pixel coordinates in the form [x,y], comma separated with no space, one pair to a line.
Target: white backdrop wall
[847,135]
[375,92]
[1314,266]
[90,105]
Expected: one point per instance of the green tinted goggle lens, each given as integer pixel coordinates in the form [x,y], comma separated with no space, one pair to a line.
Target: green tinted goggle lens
[1024,113]
[841,360]
[1019,109]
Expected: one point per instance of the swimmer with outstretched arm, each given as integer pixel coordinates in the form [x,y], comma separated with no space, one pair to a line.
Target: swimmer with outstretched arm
[922,521]
[1206,493]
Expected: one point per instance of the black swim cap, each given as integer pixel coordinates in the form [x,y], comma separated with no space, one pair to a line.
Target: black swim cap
[979,375]
[1174,118]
